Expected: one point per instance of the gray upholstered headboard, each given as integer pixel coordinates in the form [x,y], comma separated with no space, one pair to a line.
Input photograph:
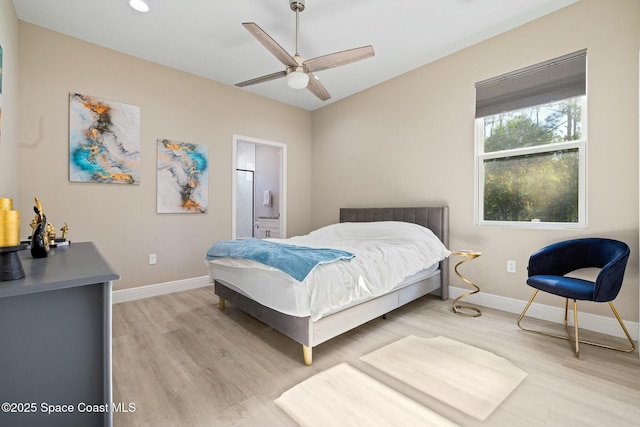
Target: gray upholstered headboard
[434,218]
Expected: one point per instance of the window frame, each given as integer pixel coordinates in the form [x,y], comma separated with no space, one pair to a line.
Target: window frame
[479,174]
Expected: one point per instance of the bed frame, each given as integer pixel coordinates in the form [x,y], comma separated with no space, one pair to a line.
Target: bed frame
[310,333]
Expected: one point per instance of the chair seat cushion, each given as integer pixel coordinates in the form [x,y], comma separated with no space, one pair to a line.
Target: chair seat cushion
[568,287]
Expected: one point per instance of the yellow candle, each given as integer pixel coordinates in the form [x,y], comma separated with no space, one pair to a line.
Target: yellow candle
[9,228]
[6,204]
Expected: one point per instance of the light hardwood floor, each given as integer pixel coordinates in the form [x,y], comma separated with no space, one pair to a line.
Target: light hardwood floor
[183,362]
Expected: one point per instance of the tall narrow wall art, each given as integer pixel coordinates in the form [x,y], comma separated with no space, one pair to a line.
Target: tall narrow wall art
[183,177]
[104,141]
[0,94]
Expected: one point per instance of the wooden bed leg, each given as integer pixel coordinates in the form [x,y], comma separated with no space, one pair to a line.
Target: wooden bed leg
[221,303]
[306,352]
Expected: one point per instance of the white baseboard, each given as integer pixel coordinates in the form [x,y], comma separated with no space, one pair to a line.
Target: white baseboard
[588,321]
[140,292]
[592,322]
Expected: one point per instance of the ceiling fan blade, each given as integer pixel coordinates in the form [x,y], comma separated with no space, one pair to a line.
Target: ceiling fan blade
[337,59]
[316,88]
[271,45]
[262,79]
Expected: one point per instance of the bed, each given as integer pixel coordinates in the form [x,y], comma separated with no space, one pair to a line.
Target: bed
[265,294]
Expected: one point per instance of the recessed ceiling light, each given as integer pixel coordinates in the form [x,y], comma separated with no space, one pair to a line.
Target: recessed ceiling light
[139,5]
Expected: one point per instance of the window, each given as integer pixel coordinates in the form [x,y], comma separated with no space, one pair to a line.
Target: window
[531,146]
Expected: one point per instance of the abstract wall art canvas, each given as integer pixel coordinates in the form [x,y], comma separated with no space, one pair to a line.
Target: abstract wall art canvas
[0,94]
[183,177]
[104,141]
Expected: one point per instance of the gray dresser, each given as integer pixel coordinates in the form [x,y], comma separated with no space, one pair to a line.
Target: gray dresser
[55,340]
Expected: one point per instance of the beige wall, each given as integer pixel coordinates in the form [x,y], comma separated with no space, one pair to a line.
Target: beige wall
[410,140]
[9,103]
[122,219]
[405,142]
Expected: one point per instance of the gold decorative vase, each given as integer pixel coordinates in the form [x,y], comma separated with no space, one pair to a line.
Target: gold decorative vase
[10,265]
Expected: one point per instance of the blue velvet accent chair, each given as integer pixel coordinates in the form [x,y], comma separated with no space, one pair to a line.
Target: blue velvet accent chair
[550,267]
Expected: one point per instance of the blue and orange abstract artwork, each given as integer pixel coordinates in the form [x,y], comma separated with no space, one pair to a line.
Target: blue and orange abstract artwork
[104,141]
[183,177]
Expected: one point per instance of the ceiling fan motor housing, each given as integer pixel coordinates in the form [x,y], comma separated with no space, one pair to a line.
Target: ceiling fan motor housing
[296,5]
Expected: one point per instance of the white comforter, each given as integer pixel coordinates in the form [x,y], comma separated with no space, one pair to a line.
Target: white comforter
[386,252]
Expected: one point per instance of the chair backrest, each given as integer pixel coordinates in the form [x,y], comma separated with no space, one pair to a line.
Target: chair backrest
[609,255]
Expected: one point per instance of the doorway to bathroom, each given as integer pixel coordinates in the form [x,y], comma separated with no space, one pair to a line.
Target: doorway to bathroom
[259,188]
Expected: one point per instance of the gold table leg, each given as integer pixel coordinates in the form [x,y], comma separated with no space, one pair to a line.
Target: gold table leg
[466,310]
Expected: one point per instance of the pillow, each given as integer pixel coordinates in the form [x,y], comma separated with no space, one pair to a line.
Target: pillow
[372,230]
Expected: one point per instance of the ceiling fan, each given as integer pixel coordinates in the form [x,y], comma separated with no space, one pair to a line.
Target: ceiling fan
[299,71]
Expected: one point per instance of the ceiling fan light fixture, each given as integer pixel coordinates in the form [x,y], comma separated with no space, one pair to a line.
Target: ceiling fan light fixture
[139,5]
[297,79]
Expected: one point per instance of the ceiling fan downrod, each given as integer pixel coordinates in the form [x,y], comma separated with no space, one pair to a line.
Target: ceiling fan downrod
[297,6]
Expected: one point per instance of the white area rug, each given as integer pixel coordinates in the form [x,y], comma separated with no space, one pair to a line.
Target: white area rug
[344,396]
[467,378]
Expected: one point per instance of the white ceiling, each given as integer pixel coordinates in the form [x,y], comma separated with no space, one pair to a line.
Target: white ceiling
[206,38]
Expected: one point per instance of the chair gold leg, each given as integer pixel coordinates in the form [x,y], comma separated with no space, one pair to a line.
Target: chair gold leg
[526,307]
[221,303]
[533,330]
[624,329]
[575,327]
[575,341]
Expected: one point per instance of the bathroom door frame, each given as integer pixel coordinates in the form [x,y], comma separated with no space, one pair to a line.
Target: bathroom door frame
[283,180]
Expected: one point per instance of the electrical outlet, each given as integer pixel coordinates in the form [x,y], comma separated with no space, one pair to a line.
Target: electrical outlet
[511,266]
[152,259]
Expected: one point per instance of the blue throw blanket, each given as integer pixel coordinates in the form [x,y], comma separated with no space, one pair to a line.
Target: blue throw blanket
[296,261]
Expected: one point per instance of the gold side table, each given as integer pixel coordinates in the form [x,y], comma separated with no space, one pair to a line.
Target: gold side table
[465,310]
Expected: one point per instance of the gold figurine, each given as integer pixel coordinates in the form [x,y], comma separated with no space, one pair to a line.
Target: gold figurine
[65,230]
[39,211]
[43,233]
[51,232]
